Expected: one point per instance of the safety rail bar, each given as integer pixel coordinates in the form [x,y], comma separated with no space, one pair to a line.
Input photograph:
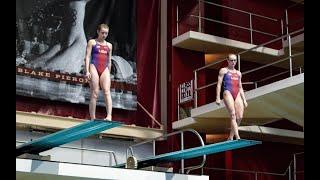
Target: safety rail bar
[295,4]
[271,41]
[181,132]
[239,10]
[287,18]
[226,23]
[287,171]
[246,171]
[234,25]
[273,63]
[295,172]
[86,149]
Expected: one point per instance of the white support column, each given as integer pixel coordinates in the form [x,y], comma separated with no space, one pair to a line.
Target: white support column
[163,64]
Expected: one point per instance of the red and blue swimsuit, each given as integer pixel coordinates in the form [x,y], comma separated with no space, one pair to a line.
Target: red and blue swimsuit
[100,57]
[231,83]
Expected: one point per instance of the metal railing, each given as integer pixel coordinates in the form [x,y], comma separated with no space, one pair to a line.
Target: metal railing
[286,17]
[288,172]
[289,57]
[181,132]
[110,153]
[295,172]
[251,15]
[255,173]
[276,75]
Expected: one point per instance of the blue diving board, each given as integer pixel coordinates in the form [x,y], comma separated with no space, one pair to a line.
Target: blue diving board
[195,152]
[77,132]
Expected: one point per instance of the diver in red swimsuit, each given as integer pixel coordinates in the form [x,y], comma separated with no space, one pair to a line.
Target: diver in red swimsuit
[98,67]
[233,95]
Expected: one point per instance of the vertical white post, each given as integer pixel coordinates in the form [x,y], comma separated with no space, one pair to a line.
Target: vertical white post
[294,167]
[287,21]
[290,172]
[238,62]
[195,90]
[250,16]
[163,64]
[178,95]
[282,33]
[290,53]
[199,28]
[154,147]
[177,20]
[182,147]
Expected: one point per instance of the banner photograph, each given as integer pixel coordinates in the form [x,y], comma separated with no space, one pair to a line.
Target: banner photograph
[51,41]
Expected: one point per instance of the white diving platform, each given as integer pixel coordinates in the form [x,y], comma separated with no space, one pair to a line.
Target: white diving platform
[278,100]
[55,123]
[211,44]
[214,44]
[28,169]
[272,134]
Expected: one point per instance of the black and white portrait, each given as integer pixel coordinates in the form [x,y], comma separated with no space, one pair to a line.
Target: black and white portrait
[51,38]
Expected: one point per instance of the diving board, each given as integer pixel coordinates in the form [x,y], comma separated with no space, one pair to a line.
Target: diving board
[65,136]
[195,152]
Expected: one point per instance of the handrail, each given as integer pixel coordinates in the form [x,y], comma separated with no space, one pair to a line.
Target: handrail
[295,165]
[203,87]
[246,171]
[297,3]
[288,169]
[298,153]
[270,64]
[250,14]
[211,84]
[273,40]
[130,148]
[270,77]
[239,10]
[276,75]
[295,22]
[234,25]
[211,64]
[86,149]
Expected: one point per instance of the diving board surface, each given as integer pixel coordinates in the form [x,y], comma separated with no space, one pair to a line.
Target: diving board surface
[65,136]
[195,152]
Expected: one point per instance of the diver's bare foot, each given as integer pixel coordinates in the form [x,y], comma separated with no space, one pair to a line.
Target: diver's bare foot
[108,118]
